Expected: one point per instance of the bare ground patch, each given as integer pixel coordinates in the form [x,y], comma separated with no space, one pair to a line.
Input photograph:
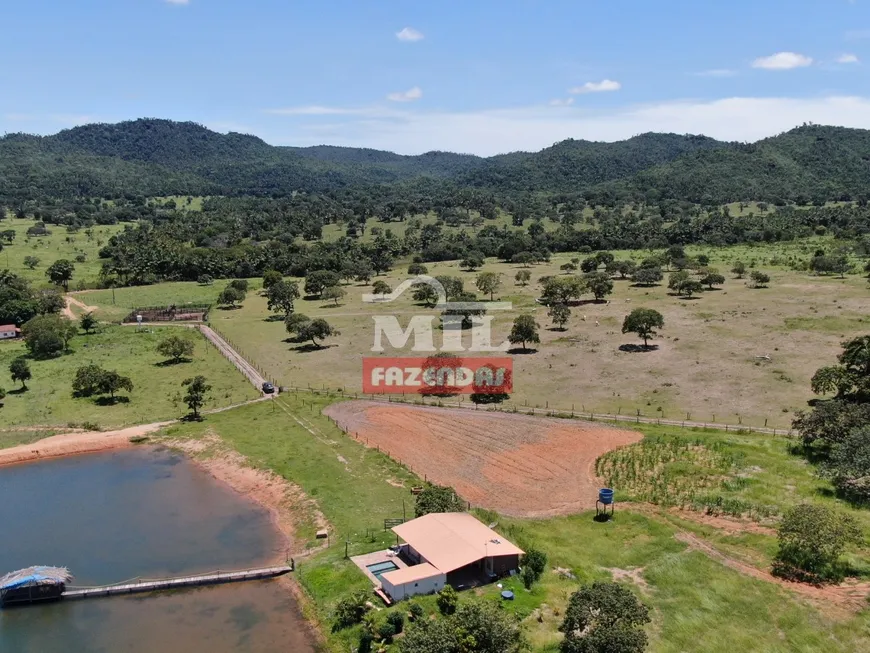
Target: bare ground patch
[517,465]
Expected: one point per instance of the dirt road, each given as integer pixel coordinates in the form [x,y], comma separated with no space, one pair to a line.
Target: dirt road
[72,301]
[233,356]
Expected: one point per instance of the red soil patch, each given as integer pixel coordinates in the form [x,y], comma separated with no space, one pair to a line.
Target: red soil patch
[514,464]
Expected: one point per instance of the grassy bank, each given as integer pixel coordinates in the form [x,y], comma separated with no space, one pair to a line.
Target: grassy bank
[697,604]
[157,391]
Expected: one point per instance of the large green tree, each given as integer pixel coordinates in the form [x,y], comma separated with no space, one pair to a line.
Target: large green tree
[604,617]
[643,322]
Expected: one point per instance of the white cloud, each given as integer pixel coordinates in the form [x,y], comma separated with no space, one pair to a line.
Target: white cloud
[495,131]
[717,72]
[406,96]
[559,102]
[596,87]
[783,61]
[178,2]
[409,34]
[848,58]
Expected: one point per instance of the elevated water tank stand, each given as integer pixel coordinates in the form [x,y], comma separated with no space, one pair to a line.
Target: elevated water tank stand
[605,498]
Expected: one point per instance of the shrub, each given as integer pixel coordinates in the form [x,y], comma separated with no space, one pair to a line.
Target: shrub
[350,610]
[416,611]
[811,540]
[448,599]
[386,632]
[397,621]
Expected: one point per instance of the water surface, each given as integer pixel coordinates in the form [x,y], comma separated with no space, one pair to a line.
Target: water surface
[150,513]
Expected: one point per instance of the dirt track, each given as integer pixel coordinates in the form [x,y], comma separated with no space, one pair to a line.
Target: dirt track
[234,357]
[517,465]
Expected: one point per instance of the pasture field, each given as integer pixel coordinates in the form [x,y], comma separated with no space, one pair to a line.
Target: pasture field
[657,552]
[709,365]
[59,244]
[157,391]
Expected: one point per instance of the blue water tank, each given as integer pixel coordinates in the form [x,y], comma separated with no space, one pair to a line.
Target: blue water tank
[605,496]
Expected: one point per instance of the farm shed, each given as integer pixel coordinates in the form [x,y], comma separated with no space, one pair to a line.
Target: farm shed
[457,546]
[8,331]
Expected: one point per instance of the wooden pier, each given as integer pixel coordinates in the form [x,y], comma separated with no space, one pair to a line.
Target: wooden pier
[215,578]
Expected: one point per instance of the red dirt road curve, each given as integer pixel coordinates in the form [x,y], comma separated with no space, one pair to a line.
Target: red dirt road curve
[514,464]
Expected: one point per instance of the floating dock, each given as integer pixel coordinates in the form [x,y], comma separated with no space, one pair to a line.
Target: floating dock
[36,585]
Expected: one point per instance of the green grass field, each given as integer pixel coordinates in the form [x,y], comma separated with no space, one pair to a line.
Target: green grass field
[707,367]
[157,389]
[59,244]
[697,604]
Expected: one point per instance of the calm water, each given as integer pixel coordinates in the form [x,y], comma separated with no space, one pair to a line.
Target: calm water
[141,512]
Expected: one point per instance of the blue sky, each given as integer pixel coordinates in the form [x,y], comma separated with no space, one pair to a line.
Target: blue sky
[480,76]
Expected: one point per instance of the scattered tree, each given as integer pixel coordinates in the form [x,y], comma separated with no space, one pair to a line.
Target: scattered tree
[31,262]
[599,284]
[231,296]
[281,297]
[334,293]
[523,277]
[19,370]
[205,280]
[643,322]
[270,278]
[472,261]
[383,288]
[417,269]
[316,329]
[758,279]
[319,280]
[712,278]
[61,273]
[647,276]
[424,293]
[88,322]
[92,380]
[524,330]
[176,348]
[739,269]
[437,498]
[488,283]
[560,314]
[47,335]
[604,617]
[196,395]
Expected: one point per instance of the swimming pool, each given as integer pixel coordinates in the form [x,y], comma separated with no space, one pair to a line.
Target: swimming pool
[380,568]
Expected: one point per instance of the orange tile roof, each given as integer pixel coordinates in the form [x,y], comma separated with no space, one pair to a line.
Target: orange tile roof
[451,540]
[410,574]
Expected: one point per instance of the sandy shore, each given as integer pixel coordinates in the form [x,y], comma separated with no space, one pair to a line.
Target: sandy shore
[77,442]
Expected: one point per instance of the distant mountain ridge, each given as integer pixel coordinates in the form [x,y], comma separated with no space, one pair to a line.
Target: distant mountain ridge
[163,157]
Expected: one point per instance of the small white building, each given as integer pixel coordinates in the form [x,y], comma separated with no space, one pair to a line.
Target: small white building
[8,331]
[410,581]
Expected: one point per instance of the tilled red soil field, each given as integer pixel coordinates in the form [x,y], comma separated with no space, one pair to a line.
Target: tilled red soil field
[515,464]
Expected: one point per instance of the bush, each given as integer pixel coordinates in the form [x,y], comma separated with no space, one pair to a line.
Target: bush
[416,611]
[528,577]
[365,643]
[448,599]
[350,610]
[397,621]
[437,498]
[536,561]
[811,540]
[386,632]
[604,617]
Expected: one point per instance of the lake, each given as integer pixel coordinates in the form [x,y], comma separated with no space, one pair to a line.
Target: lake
[150,513]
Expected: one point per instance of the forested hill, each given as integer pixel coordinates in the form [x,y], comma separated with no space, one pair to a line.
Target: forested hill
[153,157]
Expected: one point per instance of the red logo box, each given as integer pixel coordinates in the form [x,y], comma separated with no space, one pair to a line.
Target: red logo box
[444,374]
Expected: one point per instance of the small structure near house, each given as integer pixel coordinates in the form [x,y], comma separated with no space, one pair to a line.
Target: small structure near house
[8,331]
[33,584]
[452,548]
